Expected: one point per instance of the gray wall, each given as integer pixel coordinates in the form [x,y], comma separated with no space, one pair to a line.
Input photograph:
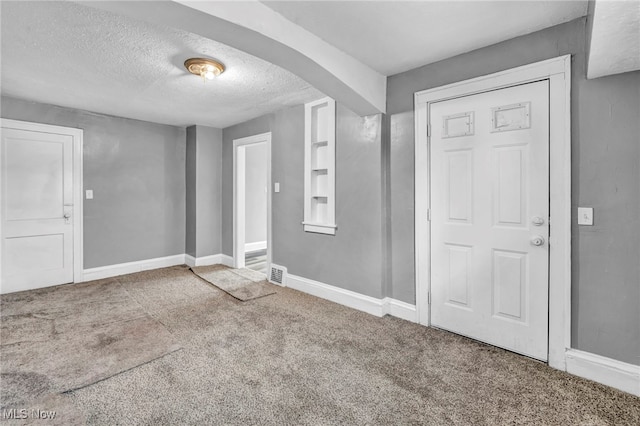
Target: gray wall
[255,193]
[209,190]
[203,190]
[352,258]
[605,175]
[190,190]
[137,172]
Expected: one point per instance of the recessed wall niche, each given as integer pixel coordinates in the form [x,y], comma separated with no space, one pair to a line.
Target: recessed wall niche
[319,166]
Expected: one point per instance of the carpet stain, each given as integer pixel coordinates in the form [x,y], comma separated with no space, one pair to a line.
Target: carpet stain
[18,389]
[65,337]
[104,340]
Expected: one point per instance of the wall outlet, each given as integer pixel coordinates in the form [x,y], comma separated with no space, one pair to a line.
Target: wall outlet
[276,187]
[585,216]
[89,194]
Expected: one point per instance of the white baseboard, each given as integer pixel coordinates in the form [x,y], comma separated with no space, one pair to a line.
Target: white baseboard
[368,304]
[160,262]
[213,259]
[131,267]
[610,372]
[397,308]
[348,298]
[258,245]
[189,260]
[226,260]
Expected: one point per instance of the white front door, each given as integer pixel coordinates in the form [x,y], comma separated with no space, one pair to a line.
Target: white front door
[37,207]
[490,217]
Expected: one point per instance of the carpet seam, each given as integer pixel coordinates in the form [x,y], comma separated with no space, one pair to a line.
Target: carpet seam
[120,372]
[149,314]
[228,292]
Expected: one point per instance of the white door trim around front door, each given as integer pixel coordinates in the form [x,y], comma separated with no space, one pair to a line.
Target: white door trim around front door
[558,72]
[239,215]
[77,135]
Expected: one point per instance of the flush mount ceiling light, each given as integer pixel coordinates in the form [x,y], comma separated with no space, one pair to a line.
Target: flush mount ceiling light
[208,69]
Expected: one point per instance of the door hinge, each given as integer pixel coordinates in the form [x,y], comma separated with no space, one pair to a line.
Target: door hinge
[428,298]
[428,130]
[428,215]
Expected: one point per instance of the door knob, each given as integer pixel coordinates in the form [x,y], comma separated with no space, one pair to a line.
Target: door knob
[537,221]
[537,240]
[66,215]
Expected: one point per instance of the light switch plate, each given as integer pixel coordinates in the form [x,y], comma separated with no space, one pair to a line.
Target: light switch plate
[585,216]
[276,187]
[89,194]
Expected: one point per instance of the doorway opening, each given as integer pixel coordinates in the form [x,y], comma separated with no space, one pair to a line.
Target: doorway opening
[252,202]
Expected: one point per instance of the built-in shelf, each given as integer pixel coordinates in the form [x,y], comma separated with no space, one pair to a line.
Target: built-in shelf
[319,176]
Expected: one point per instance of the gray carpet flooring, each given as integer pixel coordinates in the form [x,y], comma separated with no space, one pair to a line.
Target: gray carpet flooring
[243,284]
[291,358]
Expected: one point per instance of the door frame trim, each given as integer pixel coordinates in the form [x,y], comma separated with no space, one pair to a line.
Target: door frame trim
[77,135]
[558,72]
[238,212]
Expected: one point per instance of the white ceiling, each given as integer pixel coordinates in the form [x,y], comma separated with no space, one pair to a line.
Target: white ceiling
[615,38]
[75,56]
[396,36]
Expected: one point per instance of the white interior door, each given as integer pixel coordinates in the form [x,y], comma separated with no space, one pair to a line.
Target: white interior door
[490,217]
[37,207]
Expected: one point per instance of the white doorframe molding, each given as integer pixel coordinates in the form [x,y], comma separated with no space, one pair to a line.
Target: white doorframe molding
[238,197]
[77,135]
[558,72]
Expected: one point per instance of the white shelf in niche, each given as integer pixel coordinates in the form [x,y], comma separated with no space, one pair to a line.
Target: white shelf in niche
[319,167]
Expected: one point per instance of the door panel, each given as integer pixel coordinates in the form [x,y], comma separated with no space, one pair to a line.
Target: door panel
[458,274]
[34,179]
[489,179]
[29,253]
[37,194]
[510,201]
[509,284]
[460,175]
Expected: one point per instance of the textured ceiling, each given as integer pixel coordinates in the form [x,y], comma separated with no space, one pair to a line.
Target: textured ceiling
[615,38]
[80,57]
[396,36]
[77,56]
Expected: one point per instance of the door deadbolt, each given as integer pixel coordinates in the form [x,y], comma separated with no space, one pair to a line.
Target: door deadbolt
[537,221]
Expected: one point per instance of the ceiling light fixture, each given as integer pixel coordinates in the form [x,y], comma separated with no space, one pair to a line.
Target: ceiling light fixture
[208,69]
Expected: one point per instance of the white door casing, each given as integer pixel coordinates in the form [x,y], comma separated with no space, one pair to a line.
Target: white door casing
[41,212]
[489,206]
[239,214]
[558,72]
